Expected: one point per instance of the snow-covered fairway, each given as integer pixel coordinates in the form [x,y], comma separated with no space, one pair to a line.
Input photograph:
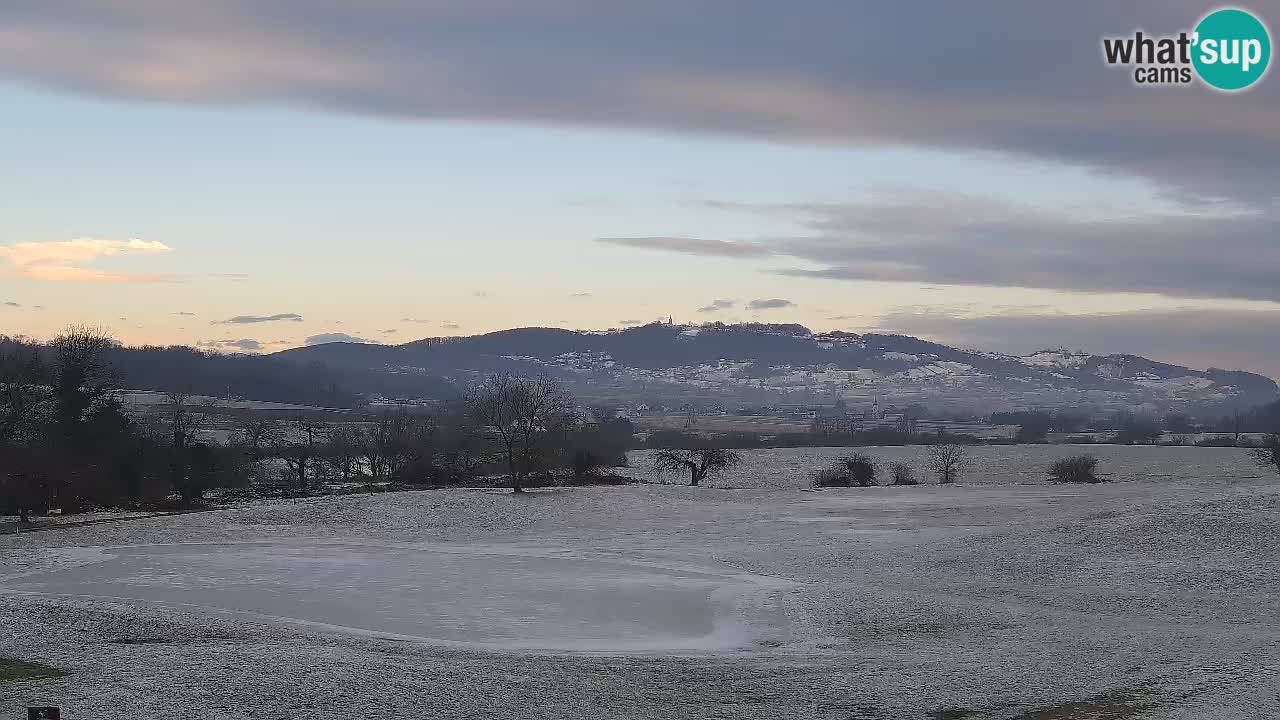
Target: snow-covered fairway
[476,596]
[1152,598]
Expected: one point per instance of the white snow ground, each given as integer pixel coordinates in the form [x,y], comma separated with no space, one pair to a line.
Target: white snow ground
[461,595]
[1147,598]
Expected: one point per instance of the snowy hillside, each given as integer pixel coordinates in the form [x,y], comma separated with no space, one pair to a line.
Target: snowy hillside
[757,363]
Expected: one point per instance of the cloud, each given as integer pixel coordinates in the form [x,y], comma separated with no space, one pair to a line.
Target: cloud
[479,293]
[252,319]
[1194,337]
[414,320]
[631,323]
[335,337]
[13,304]
[770,304]
[450,325]
[691,246]
[582,296]
[716,306]
[923,236]
[241,345]
[957,239]
[390,332]
[186,314]
[834,72]
[62,261]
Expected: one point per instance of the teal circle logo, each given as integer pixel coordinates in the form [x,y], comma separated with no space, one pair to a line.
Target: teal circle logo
[1232,49]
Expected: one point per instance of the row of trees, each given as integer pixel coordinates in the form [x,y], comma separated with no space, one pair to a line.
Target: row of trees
[947,462]
[67,441]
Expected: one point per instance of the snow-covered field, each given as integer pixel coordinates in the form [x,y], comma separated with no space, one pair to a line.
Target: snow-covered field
[1151,597]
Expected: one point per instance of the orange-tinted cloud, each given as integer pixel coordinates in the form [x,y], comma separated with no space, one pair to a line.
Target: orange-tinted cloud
[63,261]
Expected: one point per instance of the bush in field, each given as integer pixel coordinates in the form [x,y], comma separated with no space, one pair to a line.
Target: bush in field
[1268,455]
[861,470]
[585,464]
[833,476]
[1075,469]
[902,474]
[856,470]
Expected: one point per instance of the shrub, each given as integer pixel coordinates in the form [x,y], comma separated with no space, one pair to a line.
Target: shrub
[1268,454]
[833,476]
[902,474]
[585,464]
[861,469]
[856,470]
[1075,469]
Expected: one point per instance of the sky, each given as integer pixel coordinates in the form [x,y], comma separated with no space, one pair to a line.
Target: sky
[252,175]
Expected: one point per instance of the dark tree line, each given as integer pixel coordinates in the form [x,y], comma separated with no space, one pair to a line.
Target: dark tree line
[65,440]
[68,442]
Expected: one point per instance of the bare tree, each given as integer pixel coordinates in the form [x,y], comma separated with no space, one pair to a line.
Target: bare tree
[25,405]
[238,461]
[298,445]
[183,420]
[1268,455]
[384,443]
[257,437]
[345,450]
[24,391]
[520,411]
[461,447]
[80,373]
[902,474]
[948,462]
[699,462]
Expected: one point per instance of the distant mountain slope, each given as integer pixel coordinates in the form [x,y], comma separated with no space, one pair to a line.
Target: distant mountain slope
[781,363]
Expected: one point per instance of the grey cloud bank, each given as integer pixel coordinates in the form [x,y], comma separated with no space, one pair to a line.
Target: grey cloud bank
[923,236]
[335,337]
[243,345]
[770,304]
[814,71]
[717,306]
[253,319]
[691,246]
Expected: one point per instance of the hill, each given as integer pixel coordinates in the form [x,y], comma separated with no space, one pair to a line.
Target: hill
[727,365]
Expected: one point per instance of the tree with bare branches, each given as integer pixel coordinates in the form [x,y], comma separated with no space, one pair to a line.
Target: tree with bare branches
[345,450]
[948,462]
[298,444]
[699,461]
[520,411]
[384,443]
[191,464]
[24,391]
[25,405]
[80,376]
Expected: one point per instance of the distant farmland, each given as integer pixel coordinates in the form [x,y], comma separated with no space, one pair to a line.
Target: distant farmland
[760,424]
